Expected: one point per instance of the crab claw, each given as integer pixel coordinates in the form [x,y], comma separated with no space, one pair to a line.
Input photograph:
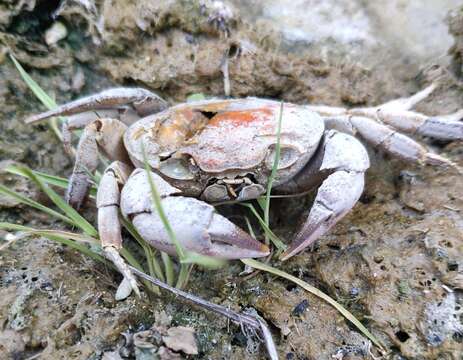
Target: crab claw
[345,160]
[337,195]
[196,224]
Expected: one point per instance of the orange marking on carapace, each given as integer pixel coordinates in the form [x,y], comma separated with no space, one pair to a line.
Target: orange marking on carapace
[180,127]
[240,118]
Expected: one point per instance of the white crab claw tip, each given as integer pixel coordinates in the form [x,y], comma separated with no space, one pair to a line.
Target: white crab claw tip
[129,282]
[233,252]
[231,242]
[124,290]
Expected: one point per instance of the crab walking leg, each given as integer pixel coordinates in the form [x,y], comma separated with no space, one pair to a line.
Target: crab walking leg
[395,143]
[408,103]
[397,114]
[445,127]
[86,163]
[109,227]
[143,101]
[103,134]
[324,110]
[79,121]
[402,104]
[196,224]
[345,160]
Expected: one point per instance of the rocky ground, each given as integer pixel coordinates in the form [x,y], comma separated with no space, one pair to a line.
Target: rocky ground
[395,261]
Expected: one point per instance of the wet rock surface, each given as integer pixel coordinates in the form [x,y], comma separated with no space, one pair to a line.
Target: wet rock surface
[395,261]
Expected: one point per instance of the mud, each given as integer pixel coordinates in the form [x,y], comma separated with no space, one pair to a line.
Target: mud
[394,261]
[455,22]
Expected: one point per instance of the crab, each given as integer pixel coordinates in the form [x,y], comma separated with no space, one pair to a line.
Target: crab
[210,151]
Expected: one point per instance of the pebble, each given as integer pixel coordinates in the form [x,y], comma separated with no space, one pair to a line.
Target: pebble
[55,33]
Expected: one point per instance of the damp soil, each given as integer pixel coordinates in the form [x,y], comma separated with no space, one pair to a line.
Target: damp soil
[395,261]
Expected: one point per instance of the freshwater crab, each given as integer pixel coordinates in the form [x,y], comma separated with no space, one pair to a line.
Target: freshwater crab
[216,150]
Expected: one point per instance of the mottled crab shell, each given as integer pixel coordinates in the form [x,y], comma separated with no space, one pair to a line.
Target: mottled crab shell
[227,138]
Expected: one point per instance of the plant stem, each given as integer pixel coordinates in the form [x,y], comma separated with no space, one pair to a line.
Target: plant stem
[272,175]
[183,276]
[313,290]
[253,321]
[169,268]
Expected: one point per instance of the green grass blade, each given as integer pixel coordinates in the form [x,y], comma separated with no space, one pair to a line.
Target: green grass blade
[72,214]
[275,240]
[25,200]
[55,180]
[131,259]
[72,240]
[156,199]
[53,123]
[153,264]
[79,247]
[250,230]
[271,178]
[49,179]
[36,89]
[157,270]
[46,178]
[205,261]
[262,202]
[183,276]
[44,98]
[169,268]
[81,238]
[313,290]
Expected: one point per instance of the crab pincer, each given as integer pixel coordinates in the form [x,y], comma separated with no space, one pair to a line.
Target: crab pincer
[343,161]
[196,224]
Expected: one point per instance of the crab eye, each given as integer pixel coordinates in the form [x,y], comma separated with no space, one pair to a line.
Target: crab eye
[176,169]
[288,156]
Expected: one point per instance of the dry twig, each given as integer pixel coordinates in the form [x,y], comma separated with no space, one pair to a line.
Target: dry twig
[254,322]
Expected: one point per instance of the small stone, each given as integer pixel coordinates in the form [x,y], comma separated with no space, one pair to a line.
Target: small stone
[11,342]
[181,338]
[434,339]
[354,292]
[162,319]
[167,354]
[78,81]
[453,279]
[300,308]
[55,33]
[111,355]
[47,286]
